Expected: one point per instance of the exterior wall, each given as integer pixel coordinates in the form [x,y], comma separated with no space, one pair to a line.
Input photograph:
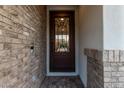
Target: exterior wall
[113,68]
[113,46]
[20,28]
[105,34]
[105,68]
[90,34]
[94,68]
[113,19]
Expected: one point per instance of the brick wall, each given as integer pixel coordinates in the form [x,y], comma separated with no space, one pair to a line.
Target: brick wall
[113,68]
[105,68]
[94,68]
[22,27]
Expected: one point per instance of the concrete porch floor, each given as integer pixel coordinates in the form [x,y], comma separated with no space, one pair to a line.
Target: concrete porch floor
[62,82]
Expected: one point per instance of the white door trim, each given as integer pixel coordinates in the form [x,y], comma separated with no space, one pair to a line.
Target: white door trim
[49,8]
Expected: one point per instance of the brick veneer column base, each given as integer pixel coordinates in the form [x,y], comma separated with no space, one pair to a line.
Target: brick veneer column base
[94,68]
[113,62]
[105,68]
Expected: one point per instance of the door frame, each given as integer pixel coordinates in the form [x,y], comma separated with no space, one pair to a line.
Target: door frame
[53,8]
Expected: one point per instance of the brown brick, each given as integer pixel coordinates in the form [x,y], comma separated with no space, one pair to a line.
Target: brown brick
[19,27]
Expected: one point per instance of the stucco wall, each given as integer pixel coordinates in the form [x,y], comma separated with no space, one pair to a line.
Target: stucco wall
[113,27]
[91,34]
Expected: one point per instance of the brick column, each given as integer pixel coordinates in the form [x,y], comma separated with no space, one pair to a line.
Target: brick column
[113,68]
[94,68]
[105,68]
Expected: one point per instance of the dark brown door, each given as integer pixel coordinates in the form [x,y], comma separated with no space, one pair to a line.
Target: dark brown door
[62,41]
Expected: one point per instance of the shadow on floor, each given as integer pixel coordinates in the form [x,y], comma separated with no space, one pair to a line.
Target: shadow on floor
[62,82]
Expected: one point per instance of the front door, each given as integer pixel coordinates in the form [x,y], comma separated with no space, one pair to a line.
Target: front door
[62,41]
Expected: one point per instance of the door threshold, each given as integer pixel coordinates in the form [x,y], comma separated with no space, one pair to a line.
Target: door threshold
[62,74]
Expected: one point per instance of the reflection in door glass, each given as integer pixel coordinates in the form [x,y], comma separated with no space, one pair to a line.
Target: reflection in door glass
[62,34]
